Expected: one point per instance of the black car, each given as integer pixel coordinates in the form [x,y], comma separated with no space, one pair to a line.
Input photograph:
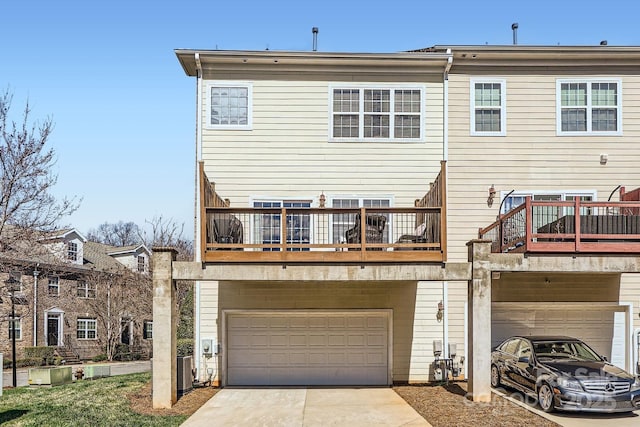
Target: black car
[563,373]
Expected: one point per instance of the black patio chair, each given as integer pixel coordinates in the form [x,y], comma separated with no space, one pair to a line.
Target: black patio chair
[227,228]
[374,233]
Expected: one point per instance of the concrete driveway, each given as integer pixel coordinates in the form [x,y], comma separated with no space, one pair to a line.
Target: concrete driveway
[306,407]
[570,419]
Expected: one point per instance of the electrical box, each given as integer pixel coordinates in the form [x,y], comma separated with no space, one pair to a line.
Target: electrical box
[207,347]
[217,348]
[437,348]
[452,350]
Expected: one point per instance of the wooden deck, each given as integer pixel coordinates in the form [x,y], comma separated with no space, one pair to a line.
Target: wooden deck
[322,234]
[567,227]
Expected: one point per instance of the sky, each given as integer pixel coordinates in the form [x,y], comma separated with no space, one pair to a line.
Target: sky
[106,73]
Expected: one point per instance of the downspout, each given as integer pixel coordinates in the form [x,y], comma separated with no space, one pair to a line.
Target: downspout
[36,272]
[198,158]
[445,157]
[636,351]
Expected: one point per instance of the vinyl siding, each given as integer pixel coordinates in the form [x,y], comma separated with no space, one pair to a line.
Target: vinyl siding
[288,153]
[531,156]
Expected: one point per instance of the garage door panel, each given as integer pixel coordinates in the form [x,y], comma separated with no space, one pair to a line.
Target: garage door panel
[308,348]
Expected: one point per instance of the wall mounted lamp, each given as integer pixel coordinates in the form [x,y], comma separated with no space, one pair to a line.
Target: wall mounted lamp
[492,195]
[440,313]
[323,200]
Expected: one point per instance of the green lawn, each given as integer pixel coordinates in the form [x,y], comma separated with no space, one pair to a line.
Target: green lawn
[101,402]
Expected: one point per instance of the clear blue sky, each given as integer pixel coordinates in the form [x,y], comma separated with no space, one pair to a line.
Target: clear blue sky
[124,111]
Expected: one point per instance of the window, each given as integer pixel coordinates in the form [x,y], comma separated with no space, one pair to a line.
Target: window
[53,288]
[15,282]
[86,289]
[147,330]
[142,264]
[376,114]
[589,107]
[229,106]
[16,323]
[268,229]
[72,251]
[547,214]
[488,107]
[86,329]
[342,222]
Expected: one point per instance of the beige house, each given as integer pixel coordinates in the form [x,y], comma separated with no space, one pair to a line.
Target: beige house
[340,196]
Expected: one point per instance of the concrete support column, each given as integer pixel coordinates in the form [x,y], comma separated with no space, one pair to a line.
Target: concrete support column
[165,315]
[479,315]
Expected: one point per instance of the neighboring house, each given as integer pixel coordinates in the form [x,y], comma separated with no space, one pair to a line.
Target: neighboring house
[81,297]
[340,198]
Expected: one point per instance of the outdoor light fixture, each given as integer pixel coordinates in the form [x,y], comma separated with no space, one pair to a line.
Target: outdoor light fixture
[492,195]
[323,200]
[440,313]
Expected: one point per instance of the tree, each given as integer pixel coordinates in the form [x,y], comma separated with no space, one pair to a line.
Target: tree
[26,178]
[116,234]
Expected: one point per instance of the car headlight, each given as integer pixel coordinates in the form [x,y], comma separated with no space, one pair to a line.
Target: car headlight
[569,383]
[636,384]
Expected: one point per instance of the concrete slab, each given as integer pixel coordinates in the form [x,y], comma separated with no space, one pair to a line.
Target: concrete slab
[306,407]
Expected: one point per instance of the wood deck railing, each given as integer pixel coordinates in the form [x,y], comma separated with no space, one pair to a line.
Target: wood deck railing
[567,227]
[337,235]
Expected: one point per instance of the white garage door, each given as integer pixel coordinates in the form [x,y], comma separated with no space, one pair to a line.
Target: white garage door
[307,348]
[603,328]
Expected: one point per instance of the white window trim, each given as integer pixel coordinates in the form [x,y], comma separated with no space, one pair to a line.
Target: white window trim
[56,286]
[379,86]
[559,82]
[87,287]
[228,83]
[87,329]
[271,199]
[503,106]
[360,198]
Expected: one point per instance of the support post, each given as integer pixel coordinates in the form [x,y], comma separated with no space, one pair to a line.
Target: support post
[164,370]
[479,315]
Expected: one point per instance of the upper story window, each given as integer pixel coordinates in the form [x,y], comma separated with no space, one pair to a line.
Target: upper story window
[229,106]
[147,330]
[53,288]
[589,107]
[72,251]
[488,107]
[86,289]
[376,114]
[142,264]
[14,283]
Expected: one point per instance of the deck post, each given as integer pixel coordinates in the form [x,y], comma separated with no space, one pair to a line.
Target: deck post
[479,315]
[164,370]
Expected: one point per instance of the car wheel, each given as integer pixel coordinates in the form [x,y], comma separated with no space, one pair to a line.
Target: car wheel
[495,376]
[545,397]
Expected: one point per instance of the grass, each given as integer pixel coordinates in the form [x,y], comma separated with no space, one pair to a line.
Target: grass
[102,402]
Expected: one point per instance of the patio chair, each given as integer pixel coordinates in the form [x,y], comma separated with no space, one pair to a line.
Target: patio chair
[227,228]
[374,232]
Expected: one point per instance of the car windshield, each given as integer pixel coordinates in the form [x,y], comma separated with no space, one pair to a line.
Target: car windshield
[576,350]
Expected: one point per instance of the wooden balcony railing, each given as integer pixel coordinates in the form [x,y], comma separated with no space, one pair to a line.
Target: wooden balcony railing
[567,227]
[338,235]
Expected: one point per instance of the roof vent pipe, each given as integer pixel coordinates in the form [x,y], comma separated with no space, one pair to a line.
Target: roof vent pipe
[314,30]
[514,27]
[603,43]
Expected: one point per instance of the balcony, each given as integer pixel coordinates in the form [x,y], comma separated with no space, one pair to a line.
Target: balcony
[568,227]
[321,234]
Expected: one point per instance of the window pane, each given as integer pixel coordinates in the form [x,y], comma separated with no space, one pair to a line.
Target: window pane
[376,126]
[229,105]
[407,127]
[346,100]
[573,94]
[407,101]
[574,119]
[604,94]
[488,95]
[377,101]
[604,120]
[487,120]
[345,126]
